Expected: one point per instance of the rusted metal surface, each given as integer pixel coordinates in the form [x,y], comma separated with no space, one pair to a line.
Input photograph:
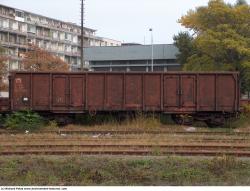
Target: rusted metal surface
[21,94]
[41,92]
[4,104]
[172,92]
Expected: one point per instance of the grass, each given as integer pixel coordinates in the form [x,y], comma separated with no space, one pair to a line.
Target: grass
[136,120]
[153,122]
[113,171]
[144,121]
[243,121]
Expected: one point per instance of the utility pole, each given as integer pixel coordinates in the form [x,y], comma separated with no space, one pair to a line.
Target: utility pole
[82,34]
[152,50]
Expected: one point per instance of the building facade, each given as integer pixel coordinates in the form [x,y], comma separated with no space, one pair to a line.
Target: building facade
[133,58]
[18,28]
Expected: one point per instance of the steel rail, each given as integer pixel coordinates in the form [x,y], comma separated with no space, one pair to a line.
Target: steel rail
[128,152]
[132,146]
[129,132]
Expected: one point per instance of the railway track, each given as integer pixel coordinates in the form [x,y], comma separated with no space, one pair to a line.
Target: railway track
[126,142]
[128,152]
[134,146]
[205,140]
[129,149]
[127,132]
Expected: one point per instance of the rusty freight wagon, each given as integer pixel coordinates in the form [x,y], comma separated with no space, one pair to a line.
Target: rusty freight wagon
[210,97]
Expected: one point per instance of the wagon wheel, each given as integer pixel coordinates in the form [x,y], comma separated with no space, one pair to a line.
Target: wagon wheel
[178,119]
[188,120]
[211,124]
[92,113]
[183,119]
[216,121]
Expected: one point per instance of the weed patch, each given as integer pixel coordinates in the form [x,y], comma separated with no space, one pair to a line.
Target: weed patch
[24,120]
[220,165]
[115,171]
[2,120]
[242,121]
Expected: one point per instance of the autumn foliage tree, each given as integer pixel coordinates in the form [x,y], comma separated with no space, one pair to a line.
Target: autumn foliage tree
[3,69]
[39,60]
[220,39]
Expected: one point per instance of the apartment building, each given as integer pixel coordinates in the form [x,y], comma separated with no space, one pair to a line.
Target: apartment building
[18,28]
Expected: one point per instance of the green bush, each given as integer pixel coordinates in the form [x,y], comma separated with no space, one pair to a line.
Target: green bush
[2,119]
[24,120]
[247,109]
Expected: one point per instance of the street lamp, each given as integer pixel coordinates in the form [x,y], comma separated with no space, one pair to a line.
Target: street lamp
[82,35]
[152,52]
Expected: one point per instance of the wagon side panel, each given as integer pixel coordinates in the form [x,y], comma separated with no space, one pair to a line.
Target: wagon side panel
[207,92]
[226,92]
[21,92]
[60,92]
[4,105]
[171,86]
[152,92]
[188,92]
[96,91]
[40,92]
[77,92]
[133,91]
[114,91]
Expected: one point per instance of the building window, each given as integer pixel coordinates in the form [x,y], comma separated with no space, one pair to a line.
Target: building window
[1,23]
[61,47]
[32,29]
[13,25]
[55,35]
[67,48]
[12,39]
[31,41]
[14,65]
[4,37]
[22,27]
[62,36]
[19,14]
[46,32]
[75,39]
[68,37]
[21,40]
[6,23]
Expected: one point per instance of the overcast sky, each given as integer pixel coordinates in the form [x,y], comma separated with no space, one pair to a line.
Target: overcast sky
[124,20]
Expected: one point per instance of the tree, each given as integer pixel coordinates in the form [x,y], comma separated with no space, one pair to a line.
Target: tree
[221,39]
[3,69]
[3,66]
[37,59]
[184,42]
